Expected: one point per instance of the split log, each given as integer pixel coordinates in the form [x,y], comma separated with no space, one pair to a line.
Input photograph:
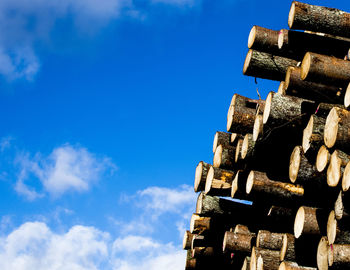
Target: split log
[295,86]
[222,138]
[336,167]
[322,254]
[319,19]
[187,240]
[199,224]
[264,258]
[269,240]
[338,231]
[287,110]
[339,255]
[211,205]
[310,220]
[336,131]
[264,40]
[301,170]
[259,184]
[238,242]
[246,263]
[322,158]
[286,265]
[201,176]
[224,157]
[241,113]
[295,44]
[258,127]
[313,136]
[219,182]
[266,66]
[325,69]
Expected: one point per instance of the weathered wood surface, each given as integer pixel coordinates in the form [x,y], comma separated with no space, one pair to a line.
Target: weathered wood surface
[269,240]
[238,242]
[319,19]
[201,176]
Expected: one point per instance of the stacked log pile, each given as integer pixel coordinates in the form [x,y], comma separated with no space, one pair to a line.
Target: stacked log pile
[287,157]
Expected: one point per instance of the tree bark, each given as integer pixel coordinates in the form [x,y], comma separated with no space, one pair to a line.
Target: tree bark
[336,132]
[224,158]
[241,113]
[319,19]
[264,40]
[287,265]
[313,136]
[199,224]
[266,66]
[288,248]
[295,86]
[310,220]
[201,176]
[269,240]
[339,255]
[246,263]
[338,231]
[219,182]
[325,69]
[264,259]
[238,242]
[222,138]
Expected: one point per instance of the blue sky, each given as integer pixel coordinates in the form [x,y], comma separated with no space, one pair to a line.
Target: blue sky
[106,108]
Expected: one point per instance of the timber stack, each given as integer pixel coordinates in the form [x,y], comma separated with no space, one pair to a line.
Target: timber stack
[287,157]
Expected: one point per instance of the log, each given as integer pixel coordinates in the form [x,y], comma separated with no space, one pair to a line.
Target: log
[210,205]
[281,88]
[319,19]
[287,110]
[310,220]
[286,265]
[200,241]
[191,263]
[336,167]
[246,263]
[325,69]
[222,138]
[258,127]
[313,136]
[288,247]
[301,170]
[336,131]
[198,252]
[295,86]
[264,258]
[238,242]
[263,39]
[339,255]
[346,178]
[219,182]
[259,184]
[241,229]
[238,185]
[341,205]
[269,240]
[241,113]
[247,146]
[201,176]
[238,151]
[224,158]
[322,254]
[235,137]
[266,66]
[338,231]
[347,96]
[199,224]
[187,240]
[295,44]
[322,158]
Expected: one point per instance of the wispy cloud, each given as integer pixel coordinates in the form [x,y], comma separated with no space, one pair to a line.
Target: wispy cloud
[67,168]
[25,24]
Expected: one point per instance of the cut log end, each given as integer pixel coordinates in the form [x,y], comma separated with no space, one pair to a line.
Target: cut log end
[238,150]
[347,97]
[280,39]
[322,254]
[234,136]
[260,263]
[322,158]
[247,61]
[244,147]
[258,127]
[267,109]
[284,247]
[209,180]
[230,118]
[338,206]
[194,217]
[225,241]
[331,227]
[186,240]
[291,15]
[307,133]
[250,182]
[253,259]
[334,170]
[305,66]
[346,178]
[198,176]
[331,128]
[251,37]
[218,157]
[281,88]
[299,222]
[215,143]
[234,186]
[294,164]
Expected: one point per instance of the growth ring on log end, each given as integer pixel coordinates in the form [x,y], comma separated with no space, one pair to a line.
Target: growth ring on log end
[322,158]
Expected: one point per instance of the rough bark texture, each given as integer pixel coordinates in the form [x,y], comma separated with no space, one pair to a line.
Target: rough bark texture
[224,158]
[287,265]
[319,19]
[325,69]
[269,240]
[288,248]
[263,39]
[222,138]
[200,224]
[241,114]
[310,220]
[246,263]
[266,66]
[201,176]
[238,242]
[339,255]
[295,44]
[218,182]
[269,258]
[295,86]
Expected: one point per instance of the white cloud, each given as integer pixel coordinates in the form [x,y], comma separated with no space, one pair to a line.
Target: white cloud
[25,24]
[67,168]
